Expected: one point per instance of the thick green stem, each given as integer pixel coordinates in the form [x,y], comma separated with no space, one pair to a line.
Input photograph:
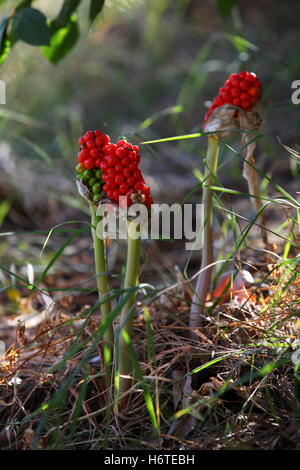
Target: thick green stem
[128,311]
[204,278]
[103,290]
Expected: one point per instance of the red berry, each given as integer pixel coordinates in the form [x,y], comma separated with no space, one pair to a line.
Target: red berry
[254,91]
[235,81]
[137,175]
[143,188]
[103,165]
[218,101]
[245,105]
[132,166]
[98,141]
[83,155]
[95,153]
[111,172]
[139,185]
[89,164]
[243,96]
[97,163]
[81,142]
[236,102]
[97,133]
[105,139]
[110,194]
[134,156]
[88,136]
[109,186]
[116,194]
[244,84]
[90,144]
[124,188]
[226,96]
[120,152]
[119,168]
[106,149]
[119,178]
[125,162]
[112,148]
[131,181]
[111,160]
[235,92]
[126,173]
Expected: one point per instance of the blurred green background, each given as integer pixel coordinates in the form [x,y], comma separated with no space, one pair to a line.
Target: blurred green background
[146,70]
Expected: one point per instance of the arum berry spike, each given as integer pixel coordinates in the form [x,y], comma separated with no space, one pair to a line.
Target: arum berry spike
[243,90]
[232,108]
[110,171]
[90,185]
[124,181]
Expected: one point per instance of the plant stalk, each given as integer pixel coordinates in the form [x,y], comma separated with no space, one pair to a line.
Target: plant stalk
[103,291]
[251,176]
[128,311]
[204,278]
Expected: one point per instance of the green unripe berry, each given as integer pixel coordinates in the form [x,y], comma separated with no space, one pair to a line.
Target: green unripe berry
[96,188]
[87,174]
[96,197]
[92,181]
[98,174]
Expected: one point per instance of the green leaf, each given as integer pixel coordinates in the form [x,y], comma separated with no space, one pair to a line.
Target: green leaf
[30,26]
[62,41]
[225,7]
[64,16]
[177,137]
[241,44]
[95,8]
[4,41]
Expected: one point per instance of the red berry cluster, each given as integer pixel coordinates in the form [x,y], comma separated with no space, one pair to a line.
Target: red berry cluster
[240,89]
[118,165]
[121,174]
[91,153]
